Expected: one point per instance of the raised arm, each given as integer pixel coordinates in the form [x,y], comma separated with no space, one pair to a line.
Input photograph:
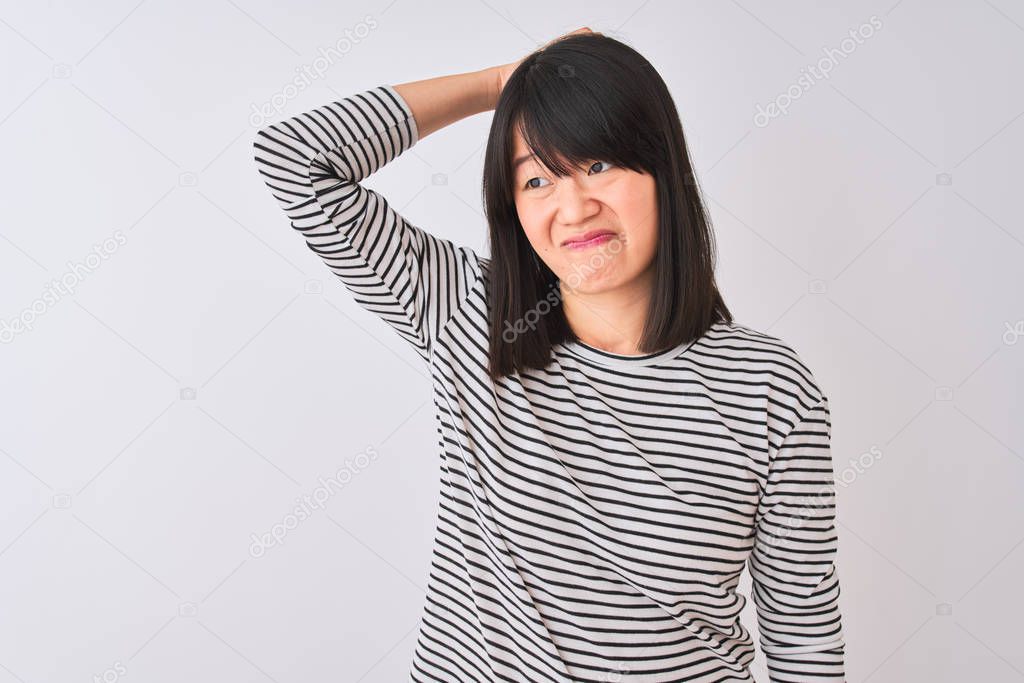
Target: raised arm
[792,564]
[313,164]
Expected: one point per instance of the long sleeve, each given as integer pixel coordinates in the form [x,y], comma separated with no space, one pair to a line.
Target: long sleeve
[313,164]
[793,562]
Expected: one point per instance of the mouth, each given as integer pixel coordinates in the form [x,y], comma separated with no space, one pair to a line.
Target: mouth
[588,239]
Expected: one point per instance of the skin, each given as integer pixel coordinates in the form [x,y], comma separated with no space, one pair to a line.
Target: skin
[605,288]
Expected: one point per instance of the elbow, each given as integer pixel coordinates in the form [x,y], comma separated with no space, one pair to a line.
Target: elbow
[259,145]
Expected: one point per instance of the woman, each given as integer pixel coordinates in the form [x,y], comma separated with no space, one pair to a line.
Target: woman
[614,448]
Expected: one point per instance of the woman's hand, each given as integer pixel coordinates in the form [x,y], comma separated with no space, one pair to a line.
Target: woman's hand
[503,72]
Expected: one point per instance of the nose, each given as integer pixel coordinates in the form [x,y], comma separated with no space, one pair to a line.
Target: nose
[575,203]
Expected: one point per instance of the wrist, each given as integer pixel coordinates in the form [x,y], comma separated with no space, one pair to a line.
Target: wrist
[490,87]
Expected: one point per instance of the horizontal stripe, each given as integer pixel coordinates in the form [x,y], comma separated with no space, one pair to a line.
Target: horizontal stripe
[595,516]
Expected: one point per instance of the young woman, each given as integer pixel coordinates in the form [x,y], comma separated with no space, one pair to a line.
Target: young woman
[614,448]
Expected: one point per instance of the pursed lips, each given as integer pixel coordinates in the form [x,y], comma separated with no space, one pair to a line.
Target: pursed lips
[586,237]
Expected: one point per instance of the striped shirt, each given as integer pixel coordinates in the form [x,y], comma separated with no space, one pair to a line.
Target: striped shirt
[594,516]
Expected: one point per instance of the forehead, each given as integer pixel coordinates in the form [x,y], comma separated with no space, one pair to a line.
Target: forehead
[519,151]
[519,147]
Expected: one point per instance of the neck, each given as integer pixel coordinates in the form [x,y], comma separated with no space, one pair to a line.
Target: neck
[611,320]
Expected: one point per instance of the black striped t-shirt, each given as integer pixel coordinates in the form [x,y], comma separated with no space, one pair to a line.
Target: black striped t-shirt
[595,516]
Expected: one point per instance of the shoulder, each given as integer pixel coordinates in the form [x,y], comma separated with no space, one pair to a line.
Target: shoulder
[789,384]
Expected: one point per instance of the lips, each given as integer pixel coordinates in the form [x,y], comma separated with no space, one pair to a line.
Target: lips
[586,237]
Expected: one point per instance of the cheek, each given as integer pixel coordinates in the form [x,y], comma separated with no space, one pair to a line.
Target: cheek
[638,210]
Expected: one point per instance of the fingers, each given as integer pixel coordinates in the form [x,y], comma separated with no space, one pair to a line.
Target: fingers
[585,29]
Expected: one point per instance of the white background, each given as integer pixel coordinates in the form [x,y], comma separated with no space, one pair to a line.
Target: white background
[208,370]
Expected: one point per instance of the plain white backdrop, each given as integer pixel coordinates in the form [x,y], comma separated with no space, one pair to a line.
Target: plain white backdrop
[178,369]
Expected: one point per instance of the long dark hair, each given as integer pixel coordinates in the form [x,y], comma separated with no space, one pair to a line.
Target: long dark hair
[590,96]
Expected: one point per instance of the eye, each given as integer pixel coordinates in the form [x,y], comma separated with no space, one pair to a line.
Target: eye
[530,186]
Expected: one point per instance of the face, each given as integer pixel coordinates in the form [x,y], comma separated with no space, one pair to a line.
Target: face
[557,212]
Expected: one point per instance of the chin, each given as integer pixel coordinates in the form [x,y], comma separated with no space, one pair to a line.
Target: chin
[593,283]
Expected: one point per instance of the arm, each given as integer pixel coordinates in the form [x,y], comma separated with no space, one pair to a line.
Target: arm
[313,164]
[792,564]
[438,102]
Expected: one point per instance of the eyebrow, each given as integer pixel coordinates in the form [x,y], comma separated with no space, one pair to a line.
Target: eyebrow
[521,159]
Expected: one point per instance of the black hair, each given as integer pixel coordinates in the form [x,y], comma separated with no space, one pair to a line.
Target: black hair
[590,96]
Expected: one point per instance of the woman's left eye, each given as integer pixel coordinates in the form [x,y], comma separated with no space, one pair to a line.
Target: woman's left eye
[599,162]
